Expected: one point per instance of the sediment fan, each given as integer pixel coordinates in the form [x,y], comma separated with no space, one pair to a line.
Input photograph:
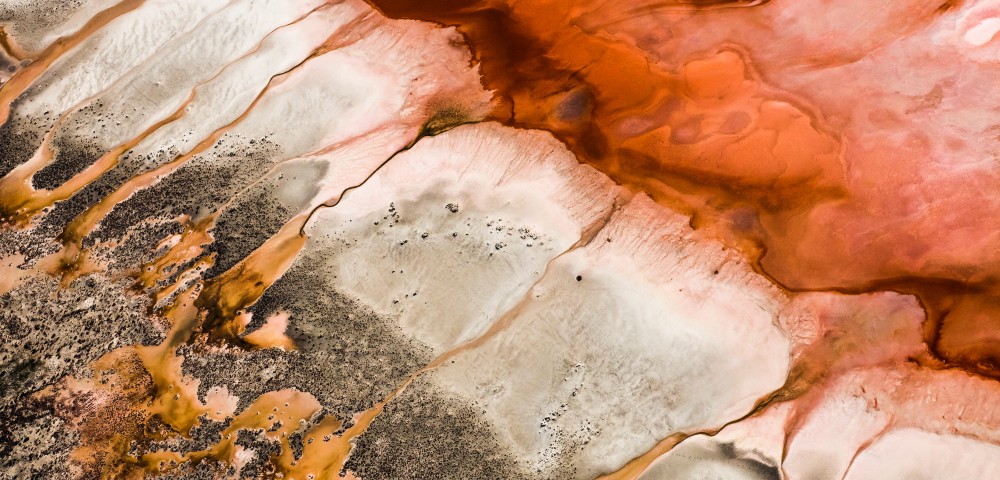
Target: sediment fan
[320,239]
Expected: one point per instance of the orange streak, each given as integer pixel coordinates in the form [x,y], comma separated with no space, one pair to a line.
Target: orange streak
[16,193]
[190,246]
[21,202]
[81,226]
[326,460]
[24,78]
[634,468]
[228,294]
[276,413]
[25,202]
[184,278]
[10,47]
[86,222]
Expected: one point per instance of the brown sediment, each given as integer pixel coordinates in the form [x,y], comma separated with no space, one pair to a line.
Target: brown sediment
[159,390]
[84,263]
[277,414]
[10,46]
[176,401]
[81,226]
[226,296]
[132,386]
[111,419]
[27,76]
[327,460]
[20,202]
[171,397]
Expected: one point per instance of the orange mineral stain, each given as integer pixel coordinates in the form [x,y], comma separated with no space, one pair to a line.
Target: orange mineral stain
[706,131]
[84,224]
[226,296]
[712,121]
[27,76]
[634,468]
[276,414]
[189,246]
[19,201]
[10,46]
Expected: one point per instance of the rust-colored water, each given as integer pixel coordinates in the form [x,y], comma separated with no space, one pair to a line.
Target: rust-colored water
[711,138]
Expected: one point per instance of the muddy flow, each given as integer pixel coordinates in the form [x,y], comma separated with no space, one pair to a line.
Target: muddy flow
[706,133]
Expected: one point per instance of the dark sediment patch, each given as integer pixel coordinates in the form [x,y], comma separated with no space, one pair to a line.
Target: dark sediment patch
[19,138]
[63,330]
[426,433]
[259,213]
[72,157]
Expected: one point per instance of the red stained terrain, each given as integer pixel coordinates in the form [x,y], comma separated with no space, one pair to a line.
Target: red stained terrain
[844,146]
[849,149]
